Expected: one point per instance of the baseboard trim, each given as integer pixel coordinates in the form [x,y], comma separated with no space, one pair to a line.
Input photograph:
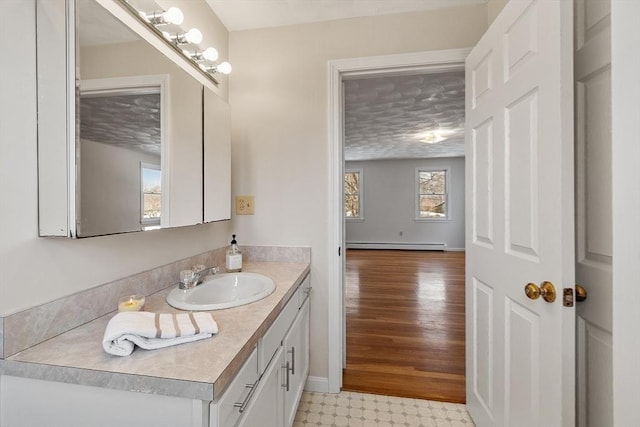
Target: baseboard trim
[317,384]
[454,250]
[400,246]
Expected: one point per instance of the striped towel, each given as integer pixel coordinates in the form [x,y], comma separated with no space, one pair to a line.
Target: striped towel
[154,330]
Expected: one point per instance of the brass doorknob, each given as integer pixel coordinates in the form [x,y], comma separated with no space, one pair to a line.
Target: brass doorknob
[581,293]
[546,290]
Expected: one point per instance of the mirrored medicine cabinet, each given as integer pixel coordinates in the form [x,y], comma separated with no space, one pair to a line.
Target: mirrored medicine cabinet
[129,137]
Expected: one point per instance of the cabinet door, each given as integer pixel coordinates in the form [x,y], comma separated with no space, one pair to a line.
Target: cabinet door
[296,347]
[217,158]
[265,408]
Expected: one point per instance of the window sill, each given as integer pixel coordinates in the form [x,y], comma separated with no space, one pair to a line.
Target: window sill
[349,219]
[447,219]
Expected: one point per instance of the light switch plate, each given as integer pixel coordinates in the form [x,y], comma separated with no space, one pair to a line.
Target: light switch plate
[244,205]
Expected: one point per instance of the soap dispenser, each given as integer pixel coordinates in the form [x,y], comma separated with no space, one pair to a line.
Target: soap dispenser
[234,257]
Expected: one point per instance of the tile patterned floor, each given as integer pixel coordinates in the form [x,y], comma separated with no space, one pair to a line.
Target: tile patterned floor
[350,409]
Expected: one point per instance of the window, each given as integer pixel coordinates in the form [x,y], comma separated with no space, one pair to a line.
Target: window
[353,194]
[431,189]
[150,195]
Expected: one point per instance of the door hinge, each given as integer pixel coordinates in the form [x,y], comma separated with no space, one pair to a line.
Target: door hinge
[339,250]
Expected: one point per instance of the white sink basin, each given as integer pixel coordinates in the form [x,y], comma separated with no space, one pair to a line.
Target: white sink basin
[222,291]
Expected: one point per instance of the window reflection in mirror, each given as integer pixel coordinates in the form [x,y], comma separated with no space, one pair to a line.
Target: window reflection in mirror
[150,196]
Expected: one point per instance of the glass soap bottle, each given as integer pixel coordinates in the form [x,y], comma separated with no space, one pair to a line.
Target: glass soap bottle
[234,257]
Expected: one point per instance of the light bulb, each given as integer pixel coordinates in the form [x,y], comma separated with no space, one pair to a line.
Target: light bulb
[224,68]
[173,15]
[210,54]
[193,36]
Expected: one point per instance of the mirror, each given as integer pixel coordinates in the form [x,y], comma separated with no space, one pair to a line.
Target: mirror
[129,133]
[133,142]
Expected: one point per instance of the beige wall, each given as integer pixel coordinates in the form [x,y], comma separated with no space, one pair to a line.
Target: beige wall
[494,7]
[280,153]
[35,270]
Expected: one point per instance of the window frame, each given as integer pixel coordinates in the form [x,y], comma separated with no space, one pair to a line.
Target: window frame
[155,221]
[447,196]
[360,194]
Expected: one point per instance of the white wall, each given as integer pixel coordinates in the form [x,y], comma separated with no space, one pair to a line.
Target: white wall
[390,205]
[36,270]
[280,149]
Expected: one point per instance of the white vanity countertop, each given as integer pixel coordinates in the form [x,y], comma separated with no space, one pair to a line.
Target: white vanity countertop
[198,370]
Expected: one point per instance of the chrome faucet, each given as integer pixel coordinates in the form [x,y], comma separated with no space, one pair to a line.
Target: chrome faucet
[189,279]
[199,275]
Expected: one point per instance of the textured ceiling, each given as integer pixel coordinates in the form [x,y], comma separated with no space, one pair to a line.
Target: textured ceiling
[239,15]
[392,117]
[129,121]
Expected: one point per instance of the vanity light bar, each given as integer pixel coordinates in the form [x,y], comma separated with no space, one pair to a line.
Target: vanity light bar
[174,16]
[222,68]
[193,36]
[209,54]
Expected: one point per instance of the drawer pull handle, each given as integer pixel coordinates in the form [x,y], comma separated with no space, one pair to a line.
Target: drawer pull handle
[292,352]
[242,406]
[307,295]
[287,384]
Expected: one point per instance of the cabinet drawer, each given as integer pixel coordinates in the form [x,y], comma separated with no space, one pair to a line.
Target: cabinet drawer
[226,411]
[269,343]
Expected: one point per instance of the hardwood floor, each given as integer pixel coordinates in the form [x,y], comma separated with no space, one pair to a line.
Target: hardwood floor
[405,324]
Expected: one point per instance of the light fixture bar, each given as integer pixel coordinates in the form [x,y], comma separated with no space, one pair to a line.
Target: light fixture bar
[222,68]
[173,15]
[193,36]
[209,54]
[175,41]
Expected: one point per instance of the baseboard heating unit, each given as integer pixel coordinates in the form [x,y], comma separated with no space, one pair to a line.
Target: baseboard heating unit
[401,246]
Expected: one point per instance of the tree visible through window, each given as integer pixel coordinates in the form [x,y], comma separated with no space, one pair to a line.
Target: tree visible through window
[151,178]
[352,195]
[432,194]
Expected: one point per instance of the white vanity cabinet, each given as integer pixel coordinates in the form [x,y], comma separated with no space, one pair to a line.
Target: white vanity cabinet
[264,393]
[266,410]
[282,366]
[296,351]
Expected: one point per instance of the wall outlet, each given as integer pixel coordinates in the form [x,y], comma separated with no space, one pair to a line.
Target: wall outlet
[244,205]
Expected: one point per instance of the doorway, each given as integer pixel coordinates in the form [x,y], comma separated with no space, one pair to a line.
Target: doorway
[339,70]
[405,324]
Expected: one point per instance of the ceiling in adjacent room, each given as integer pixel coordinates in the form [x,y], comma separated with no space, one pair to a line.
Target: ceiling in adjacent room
[239,15]
[130,121]
[402,117]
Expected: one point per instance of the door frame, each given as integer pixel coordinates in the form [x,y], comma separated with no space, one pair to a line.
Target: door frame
[625,128]
[410,63]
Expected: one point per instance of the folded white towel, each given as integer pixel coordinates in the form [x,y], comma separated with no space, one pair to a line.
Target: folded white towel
[153,330]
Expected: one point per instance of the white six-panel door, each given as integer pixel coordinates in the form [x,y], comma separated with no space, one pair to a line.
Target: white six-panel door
[520,228]
[593,211]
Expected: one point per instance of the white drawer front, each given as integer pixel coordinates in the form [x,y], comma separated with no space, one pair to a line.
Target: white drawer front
[269,343]
[226,411]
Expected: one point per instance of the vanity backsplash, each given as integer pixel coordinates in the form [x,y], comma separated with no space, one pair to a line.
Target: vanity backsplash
[29,327]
